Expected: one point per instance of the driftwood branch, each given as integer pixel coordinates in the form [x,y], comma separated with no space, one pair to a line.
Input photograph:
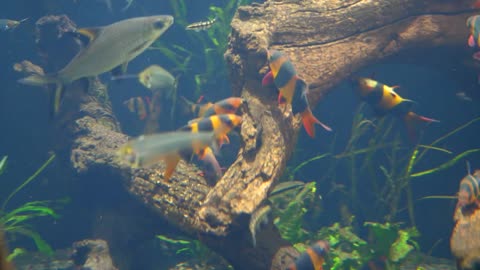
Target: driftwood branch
[327,41]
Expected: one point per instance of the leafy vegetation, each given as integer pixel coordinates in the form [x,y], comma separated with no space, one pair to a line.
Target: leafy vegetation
[16,221]
[376,154]
[200,61]
[390,166]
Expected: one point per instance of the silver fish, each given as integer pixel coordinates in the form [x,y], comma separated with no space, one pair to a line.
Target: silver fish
[108,48]
[259,217]
[199,26]
[6,24]
[147,150]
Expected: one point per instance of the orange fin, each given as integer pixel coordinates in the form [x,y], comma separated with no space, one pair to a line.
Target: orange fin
[471,41]
[279,97]
[171,161]
[309,121]
[411,120]
[395,86]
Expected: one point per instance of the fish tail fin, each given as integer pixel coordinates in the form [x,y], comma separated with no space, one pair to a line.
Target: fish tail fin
[412,120]
[309,121]
[471,41]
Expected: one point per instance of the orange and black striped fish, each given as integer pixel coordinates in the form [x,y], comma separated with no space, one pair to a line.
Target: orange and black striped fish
[313,258]
[292,88]
[385,100]
[139,105]
[469,190]
[224,106]
[221,125]
[196,109]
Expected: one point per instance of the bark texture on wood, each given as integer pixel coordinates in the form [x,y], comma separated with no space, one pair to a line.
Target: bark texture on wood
[327,41]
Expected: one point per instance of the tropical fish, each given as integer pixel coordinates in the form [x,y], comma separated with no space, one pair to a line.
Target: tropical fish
[221,125]
[203,25]
[139,105]
[469,190]
[292,88]
[196,109]
[473,23]
[313,258]
[224,106]
[154,78]
[109,48]
[286,186]
[4,263]
[385,100]
[6,24]
[147,150]
[257,219]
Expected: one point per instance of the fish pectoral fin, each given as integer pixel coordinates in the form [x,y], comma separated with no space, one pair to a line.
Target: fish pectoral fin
[171,161]
[88,35]
[120,70]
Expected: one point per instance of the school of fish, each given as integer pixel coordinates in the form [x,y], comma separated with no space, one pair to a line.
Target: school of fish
[112,47]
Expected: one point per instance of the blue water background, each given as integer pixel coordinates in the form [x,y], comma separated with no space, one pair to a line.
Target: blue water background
[431,78]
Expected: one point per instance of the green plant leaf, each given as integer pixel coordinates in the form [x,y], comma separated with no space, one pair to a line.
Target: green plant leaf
[3,164]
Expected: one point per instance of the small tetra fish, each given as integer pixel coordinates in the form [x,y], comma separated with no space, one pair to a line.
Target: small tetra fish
[313,258]
[463,96]
[203,25]
[469,190]
[258,217]
[6,24]
[139,105]
[147,150]
[292,88]
[385,100]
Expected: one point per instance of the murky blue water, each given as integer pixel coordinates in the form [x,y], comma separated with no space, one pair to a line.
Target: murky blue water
[431,77]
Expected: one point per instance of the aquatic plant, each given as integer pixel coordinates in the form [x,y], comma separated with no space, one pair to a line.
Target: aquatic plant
[193,248]
[201,63]
[289,218]
[375,151]
[16,221]
[349,251]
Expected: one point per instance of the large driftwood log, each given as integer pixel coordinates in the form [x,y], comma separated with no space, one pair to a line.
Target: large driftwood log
[327,41]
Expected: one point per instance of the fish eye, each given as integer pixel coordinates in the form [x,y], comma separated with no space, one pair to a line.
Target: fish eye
[159,24]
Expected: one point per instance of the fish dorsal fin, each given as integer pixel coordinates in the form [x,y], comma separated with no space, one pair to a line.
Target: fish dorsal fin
[469,171]
[87,35]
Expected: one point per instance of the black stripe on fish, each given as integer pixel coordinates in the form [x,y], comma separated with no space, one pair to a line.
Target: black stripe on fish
[285,74]
[203,25]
